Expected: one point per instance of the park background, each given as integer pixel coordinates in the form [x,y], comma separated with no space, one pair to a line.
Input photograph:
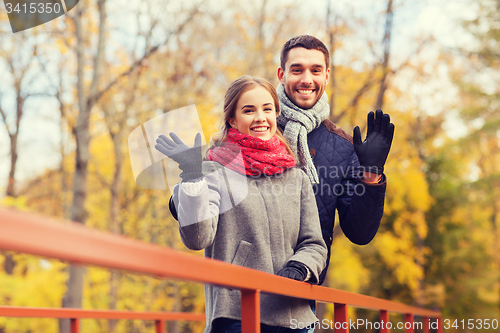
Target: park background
[72,90]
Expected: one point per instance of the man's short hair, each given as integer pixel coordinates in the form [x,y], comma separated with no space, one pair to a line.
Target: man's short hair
[308,42]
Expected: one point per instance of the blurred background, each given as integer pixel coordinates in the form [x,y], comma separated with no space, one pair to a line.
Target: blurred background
[72,90]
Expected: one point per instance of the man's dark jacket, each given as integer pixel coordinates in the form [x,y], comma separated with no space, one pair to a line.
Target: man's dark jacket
[360,205]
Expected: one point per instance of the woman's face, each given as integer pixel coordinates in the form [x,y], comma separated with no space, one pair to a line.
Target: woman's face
[255,114]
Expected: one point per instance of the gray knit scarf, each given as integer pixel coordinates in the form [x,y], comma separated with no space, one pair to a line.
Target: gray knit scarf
[297,123]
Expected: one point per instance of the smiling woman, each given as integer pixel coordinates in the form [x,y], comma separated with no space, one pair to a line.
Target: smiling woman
[255,114]
[250,106]
[249,206]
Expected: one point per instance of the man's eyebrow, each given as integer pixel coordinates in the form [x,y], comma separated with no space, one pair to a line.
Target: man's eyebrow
[301,65]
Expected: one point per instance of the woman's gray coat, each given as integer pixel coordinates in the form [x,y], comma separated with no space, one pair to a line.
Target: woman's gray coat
[257,222]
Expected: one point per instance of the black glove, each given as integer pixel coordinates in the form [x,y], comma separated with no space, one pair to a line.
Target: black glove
[372,153]
[189,158]
[294,270]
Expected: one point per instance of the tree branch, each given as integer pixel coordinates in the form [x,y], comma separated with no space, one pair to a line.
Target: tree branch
[4,117]
[387,53]
[369,82]
[95,97]
[99,58]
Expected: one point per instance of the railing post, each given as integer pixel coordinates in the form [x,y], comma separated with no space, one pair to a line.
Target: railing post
[384,319]
[426,324]
[409,319]
[340,317]
[250,311]
[440,325]
[160,326]
[74,325]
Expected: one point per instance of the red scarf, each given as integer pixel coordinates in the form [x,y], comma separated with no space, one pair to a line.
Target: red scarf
[259,157]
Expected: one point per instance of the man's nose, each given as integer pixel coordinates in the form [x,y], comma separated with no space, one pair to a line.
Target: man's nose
[306,77]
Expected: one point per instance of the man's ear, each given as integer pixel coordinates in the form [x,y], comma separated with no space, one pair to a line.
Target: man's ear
[281,75]
[327,75]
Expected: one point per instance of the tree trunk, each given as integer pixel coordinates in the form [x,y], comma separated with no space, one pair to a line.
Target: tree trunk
[496,231]
[15,135]
[114,221]
[114,282]
[19,74]
[73,296]
[82,135]
[9,263]
[387,51]
[13,139]
[331,33]
[13,161]
[64,175]
[173,326]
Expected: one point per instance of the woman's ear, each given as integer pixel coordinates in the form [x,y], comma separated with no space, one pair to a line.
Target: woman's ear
[232,122]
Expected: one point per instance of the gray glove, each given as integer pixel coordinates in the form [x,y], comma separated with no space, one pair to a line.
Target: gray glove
[188,158]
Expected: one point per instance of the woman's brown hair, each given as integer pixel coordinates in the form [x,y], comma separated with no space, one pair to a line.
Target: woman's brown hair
[237,88]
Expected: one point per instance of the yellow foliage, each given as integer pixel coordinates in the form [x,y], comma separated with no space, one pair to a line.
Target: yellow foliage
[20,202]
[399,255]
[346,271]
[35,282]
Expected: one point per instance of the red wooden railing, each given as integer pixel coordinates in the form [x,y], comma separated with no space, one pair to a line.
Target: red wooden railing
[76,314]
[78,244]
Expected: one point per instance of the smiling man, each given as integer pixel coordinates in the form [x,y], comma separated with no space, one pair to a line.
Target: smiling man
[304,73]
[346,173]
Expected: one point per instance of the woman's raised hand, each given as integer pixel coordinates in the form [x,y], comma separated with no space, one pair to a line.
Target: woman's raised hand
[188,158]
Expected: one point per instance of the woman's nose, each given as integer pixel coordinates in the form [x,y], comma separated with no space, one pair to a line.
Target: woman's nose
[260,116]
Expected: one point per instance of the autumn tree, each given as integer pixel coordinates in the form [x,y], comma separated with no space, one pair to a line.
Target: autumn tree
[474,224]
[21,57]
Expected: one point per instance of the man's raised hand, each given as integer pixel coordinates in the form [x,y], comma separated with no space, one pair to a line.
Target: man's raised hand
[373,151]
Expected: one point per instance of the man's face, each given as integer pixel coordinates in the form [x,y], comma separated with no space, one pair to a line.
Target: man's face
[305,76]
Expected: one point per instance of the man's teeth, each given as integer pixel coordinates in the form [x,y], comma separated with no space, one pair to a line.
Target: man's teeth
[259,129]
[305,91]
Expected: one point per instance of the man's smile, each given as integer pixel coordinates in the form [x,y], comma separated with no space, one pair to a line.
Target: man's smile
[305,91]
